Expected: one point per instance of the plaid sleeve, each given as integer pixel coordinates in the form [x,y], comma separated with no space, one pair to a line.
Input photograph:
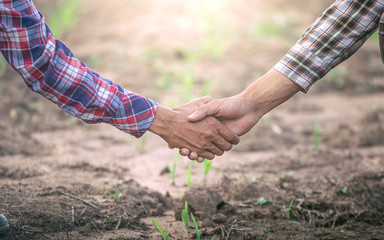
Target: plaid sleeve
[50,68]
[338,33]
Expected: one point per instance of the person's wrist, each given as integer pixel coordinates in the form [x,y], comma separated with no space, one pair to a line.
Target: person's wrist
[159,124]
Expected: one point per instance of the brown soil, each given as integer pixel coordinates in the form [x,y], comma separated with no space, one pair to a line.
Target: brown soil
[54,169]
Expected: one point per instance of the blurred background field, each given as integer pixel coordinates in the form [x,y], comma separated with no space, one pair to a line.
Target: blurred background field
[305,151]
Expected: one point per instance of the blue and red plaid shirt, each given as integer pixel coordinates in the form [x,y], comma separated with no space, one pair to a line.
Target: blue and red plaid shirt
[50,68]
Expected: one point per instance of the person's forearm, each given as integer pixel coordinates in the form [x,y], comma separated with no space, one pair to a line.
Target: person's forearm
[335,35]
[51,69]
[269,91]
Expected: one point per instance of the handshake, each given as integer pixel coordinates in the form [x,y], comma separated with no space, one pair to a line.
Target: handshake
[205,128]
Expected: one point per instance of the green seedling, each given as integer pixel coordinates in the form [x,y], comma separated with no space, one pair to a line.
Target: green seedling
[116,196]
[213,238]
[338,76]
[288,210]
[188,80]
[190,177]
[316,135]
[64,18]
[143,144]
[196,227]
[163,233]
[167,77]
[173,170]
[263,201]
[185,216]
[207,166]
[344,190]
[2,65]
[260,179]
[287,175]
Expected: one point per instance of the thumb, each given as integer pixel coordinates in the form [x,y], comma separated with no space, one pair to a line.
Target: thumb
[204,111]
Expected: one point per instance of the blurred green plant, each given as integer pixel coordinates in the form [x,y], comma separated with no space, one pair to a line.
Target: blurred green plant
[185,215]
[288,210]
[117,194]
[268,28]
[263,201]
[374,37]
[316,135]
[338,75]
[190,184]
[143,143]
[344,190]
[64,17]
[207,166]
[172,170]
[2,66]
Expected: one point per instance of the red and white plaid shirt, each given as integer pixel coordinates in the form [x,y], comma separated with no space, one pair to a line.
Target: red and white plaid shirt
[338,33]
[50,68]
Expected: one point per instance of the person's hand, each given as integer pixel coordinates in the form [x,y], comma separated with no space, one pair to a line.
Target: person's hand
[205,138]
[236,113]
[241,112]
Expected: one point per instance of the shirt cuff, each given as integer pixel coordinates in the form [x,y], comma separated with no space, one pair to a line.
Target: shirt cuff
[138,122]
[302,66]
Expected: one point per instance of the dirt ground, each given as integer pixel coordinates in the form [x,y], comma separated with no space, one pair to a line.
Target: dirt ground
[54,169]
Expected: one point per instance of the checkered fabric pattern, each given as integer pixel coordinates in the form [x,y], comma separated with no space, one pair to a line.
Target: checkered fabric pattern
[51,69]
[336,34]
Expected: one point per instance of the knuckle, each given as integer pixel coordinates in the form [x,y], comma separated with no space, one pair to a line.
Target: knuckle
[207,133]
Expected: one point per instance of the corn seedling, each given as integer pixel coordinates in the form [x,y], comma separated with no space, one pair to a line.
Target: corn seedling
[263,201]
[185,216]
[316,135]
[207,166]
[190,177]
[163,233]
[288,210]
[173,170]
[117,194]
[344,190]
[196,227]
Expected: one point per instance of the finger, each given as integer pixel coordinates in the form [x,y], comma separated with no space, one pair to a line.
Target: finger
[223,138]
[227,134]
[170,146]
[201,101]
[209,109]
[200,159]
[206,154]
[193,156]
[184,151]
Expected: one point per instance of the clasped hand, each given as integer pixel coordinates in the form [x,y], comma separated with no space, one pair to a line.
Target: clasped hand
[204,128]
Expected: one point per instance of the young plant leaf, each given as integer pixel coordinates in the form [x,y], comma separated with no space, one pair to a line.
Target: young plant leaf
[207,166]
[196,227]
[164,233]
[289,209]
[262,201]
[185,216]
